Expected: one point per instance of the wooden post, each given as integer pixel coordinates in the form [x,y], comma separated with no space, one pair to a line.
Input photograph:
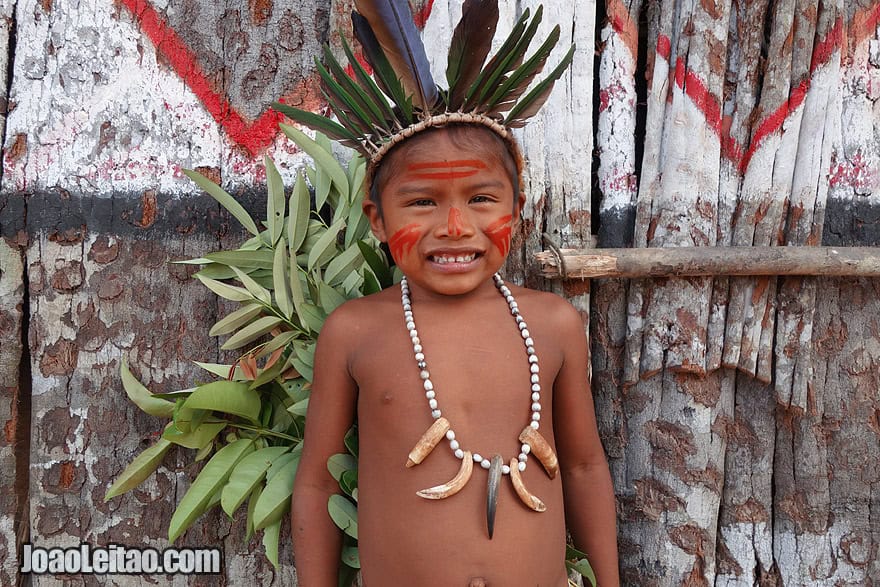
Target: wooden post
[711,261]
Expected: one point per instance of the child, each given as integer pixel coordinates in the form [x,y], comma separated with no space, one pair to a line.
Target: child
[495,373]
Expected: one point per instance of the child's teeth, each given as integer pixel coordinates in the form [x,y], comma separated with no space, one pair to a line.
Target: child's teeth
[459,259]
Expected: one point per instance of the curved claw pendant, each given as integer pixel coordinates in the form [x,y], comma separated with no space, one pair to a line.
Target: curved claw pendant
[492,492]
[531,501]
[455,485]
[541,449]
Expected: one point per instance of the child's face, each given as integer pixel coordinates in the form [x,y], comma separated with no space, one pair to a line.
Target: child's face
[447,214]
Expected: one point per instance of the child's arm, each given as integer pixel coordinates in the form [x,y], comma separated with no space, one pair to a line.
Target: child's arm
[589,495]
[317,541]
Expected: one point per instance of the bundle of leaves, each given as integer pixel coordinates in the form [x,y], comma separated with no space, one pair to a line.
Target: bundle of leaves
[313,252]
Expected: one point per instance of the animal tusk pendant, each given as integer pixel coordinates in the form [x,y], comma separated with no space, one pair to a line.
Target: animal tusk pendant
[428,441]
[455,485]
[541,449]
[531,501]
[492,492]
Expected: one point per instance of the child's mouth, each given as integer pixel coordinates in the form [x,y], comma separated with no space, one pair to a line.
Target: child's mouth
[448,259]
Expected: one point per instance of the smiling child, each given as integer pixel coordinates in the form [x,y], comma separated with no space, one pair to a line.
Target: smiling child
[483,383]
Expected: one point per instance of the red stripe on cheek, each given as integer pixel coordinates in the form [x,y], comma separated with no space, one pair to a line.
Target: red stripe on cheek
[499,233]
[454,223]
[402,241]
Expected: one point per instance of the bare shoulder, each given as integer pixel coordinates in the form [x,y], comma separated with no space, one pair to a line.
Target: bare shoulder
[359,317]
[550,310]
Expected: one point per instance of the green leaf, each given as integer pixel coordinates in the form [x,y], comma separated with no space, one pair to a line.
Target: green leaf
[377,264]
[276,343]
[219,369]
[247,475]
[225,200]
[323,184]
[230,397]
[279,464]
[300,408]
[274,201]
[344,514]
[236,319]
[229,292]
[249,522]
[275,499]
[255,289]
[371,284]
[313,317]
[340,463]
[330,298]
[298,221]
[351,441]
[325,247]
[348,481]
[139,469]
[357,181]
[322,158]
[342,265]
[197,438]
[252,332]
[216,271]
[281,284]
[210,480]
[351,557]
[296,290]
[271,534]
[260,259]
[142,397]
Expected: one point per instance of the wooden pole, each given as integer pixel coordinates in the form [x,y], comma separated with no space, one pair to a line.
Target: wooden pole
[710,261]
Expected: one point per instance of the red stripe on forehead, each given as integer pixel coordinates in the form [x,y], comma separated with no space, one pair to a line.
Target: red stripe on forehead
[446,174]
[476,163]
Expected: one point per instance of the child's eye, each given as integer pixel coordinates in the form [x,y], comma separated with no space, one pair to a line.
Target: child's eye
[422,202]
[481,199]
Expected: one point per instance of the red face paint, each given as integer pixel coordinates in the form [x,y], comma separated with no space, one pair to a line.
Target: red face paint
[454,225]
[445,170]
[402,241]
[499,233]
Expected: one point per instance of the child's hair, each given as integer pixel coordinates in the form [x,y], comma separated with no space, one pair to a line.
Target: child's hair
[469,136]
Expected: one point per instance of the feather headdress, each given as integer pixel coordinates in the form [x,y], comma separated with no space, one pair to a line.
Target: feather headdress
[401,98]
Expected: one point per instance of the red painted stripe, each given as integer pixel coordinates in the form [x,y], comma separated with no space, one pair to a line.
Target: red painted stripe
[252,136]
[446,174]
[447,164]
[420,17]
[707,103]
[664,47]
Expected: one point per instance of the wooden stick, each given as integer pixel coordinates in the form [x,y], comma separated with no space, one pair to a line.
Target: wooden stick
[711,261]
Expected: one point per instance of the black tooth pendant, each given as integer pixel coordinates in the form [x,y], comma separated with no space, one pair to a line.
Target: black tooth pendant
[492,493]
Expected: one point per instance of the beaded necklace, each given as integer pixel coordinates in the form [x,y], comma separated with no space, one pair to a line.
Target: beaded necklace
[531,439]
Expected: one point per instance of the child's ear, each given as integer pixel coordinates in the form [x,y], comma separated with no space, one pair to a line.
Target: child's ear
[520,204]
[377,225]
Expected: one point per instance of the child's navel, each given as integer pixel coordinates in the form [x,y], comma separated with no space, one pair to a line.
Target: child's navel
[387,398]
[478,582]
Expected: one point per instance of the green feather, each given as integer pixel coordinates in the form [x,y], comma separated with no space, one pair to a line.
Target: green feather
[509,92]
[529,106]
[340,97]
[384,73]
[364,102]
[367,83]
[315,121]
[496,62]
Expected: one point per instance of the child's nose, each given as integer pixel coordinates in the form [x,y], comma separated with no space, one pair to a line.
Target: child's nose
[457,225]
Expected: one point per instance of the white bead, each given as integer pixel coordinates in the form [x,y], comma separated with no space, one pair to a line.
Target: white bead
[459,454]
[424,374]
[536,407]
[533,358]
[521,467]
[530,342]
[420,357]
[436,415]
[535,424]
[534,368]
[535,379]
[410,325]
[406,306]
[520,319]
[523,457]
[428,385]
[525,449]
[522,326]
[414,336]
[450,435]
[536,388]
[453,444]
[536,397]
[408,313]
[505,469]
[525,333]
[509,298]
[430,394]
[417,348]
[478,458]
[485,463]
[530,350]
[536,416]
[432,403]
